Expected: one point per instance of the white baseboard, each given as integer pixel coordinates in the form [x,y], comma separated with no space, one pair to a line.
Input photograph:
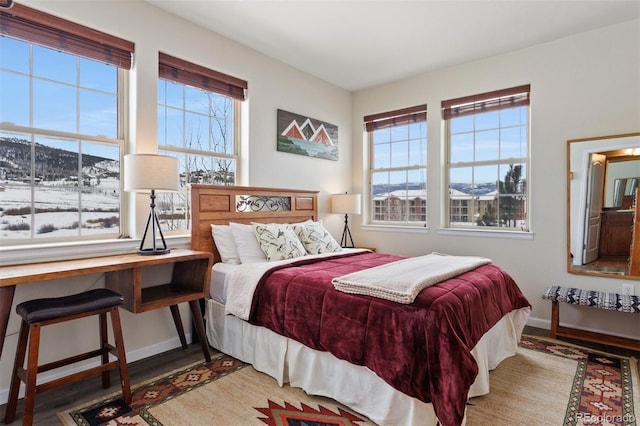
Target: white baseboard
[539,323]
[132,356]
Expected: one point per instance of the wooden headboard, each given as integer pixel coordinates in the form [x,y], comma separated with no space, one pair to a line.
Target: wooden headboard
[219,205]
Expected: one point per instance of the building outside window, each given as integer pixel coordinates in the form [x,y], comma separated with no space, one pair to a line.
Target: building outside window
[398,166]
[198,116]
[487,159]
[61,136]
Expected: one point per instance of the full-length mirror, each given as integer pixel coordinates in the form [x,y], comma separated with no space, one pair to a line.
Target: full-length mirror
[603,219]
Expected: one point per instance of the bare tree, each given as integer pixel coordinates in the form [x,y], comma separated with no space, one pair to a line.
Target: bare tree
[509,205]
[205,168]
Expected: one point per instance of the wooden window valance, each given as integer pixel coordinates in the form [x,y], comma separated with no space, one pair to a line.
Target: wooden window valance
[37,27]
[484,102]
[395,118]
[181,71]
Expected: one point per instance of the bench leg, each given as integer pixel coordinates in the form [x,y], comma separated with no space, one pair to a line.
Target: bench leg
[555,318]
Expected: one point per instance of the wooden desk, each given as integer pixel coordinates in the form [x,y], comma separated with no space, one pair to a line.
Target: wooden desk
[123,273]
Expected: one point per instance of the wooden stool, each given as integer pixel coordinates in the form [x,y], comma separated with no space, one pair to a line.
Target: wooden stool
[40,312]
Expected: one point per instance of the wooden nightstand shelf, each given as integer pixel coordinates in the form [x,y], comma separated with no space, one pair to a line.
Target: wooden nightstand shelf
[190,271]
[189,283]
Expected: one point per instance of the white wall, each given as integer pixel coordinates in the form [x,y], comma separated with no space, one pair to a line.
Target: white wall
[582,86]
[271,86]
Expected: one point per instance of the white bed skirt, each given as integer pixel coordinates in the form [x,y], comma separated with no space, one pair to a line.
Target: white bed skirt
[357,387]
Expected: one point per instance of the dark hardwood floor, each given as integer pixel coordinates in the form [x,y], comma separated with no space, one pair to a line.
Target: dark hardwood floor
[51,402]
[618,265]
[533,331]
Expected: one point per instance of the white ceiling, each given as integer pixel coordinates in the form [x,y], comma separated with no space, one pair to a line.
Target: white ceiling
[357,44]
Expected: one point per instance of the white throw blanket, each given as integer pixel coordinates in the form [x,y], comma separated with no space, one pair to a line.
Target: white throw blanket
[401,281]
[244,280]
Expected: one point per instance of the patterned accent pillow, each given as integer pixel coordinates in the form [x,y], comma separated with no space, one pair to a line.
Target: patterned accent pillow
[316,239]
[278,242]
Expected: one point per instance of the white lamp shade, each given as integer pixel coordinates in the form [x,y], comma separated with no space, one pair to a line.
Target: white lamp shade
[345,203]
[144,172]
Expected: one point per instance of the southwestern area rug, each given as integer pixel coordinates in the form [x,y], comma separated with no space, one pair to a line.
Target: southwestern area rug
[223,392]
[548,382]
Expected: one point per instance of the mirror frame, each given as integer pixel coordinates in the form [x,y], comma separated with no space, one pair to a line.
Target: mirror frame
[609,143]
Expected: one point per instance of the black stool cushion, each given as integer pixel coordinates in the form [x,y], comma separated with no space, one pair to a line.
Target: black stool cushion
[57,307]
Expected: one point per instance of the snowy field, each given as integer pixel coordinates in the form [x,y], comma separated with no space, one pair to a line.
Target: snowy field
[53,196]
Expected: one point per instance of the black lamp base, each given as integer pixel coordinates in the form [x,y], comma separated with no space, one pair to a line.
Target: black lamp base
[347,240]
[154,224]
[153,252]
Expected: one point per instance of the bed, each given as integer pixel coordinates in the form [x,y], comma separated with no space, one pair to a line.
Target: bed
[414,362]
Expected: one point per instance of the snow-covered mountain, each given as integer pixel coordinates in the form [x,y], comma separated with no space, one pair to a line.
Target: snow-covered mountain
[50,163]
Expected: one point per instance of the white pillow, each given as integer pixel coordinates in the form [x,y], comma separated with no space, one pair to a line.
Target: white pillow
[278,241]
[306,222]
[246,243]
[316,239]
[225,243]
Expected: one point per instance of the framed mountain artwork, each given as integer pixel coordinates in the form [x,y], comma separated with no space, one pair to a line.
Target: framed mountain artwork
[298,134]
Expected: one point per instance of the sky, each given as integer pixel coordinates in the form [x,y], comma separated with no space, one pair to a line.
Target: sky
[80,97]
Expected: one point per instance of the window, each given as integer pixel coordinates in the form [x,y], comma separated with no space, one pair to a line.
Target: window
[488,143]
[198,115]
[61,136]
[398,166]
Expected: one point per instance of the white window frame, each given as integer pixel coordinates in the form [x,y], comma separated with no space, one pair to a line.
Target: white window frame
[30,133]
[492,101]
[177,151]
[382,122]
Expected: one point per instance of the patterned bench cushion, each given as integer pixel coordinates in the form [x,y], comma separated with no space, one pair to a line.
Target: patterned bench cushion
[596,299]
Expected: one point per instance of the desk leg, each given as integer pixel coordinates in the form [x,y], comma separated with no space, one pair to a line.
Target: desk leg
[6,300]
[175,312]
[199,323]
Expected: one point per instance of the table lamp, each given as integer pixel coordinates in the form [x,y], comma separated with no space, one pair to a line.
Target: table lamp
[148,173]
[346,203]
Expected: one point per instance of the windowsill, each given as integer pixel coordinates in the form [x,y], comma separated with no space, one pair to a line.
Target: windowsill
[32,253]
[396,228]
[486,233]
[458,232]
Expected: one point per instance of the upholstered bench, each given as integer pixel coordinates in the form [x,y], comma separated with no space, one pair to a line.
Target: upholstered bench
[40,312]
[594,299]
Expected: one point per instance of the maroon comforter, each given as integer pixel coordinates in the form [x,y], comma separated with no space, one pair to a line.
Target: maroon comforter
[422,349]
